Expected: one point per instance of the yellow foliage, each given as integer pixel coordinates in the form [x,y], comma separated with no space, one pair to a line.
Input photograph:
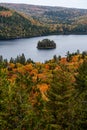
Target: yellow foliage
[18,65]
[34,78]
[11,65]
[34,72]
[21,70]
[75,58]
[28,67]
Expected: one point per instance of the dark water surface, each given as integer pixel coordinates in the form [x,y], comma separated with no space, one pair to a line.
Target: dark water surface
[12,48]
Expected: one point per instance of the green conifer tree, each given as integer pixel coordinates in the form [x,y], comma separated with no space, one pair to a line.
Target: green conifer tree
[58,105]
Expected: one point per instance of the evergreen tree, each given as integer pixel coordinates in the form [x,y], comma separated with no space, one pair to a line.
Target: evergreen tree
[69,56]
[80,103]
[81,77]
[58,105]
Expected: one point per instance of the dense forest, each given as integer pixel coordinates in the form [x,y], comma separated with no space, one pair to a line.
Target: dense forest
[16,25]
[30,21]
[44,96]
[46,44]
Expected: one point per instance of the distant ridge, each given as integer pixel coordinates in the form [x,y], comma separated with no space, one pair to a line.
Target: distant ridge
[33,20]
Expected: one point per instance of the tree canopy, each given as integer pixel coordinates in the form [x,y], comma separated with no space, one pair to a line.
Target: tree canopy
[46,44]
[44,96]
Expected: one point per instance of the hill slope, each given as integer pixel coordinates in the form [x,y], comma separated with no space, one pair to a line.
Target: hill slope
[16,25]
[35,20]
[47,13]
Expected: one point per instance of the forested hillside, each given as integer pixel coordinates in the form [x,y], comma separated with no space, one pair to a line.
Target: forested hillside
[58,13]
[16,25]
[44,96]
[58,20]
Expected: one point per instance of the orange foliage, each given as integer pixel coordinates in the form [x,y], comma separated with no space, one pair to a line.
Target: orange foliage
[5,13]
[43,89]
[47,67]
[34,72]
[11,65]
[41,76]
[34,78]
[43,73]
[21,70]
[75,58]
[58,68]
[28,67]
[63,60]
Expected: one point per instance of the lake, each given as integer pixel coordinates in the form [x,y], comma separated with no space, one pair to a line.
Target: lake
[12,48]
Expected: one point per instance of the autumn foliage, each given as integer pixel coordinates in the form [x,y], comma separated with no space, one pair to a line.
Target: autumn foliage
[43,96]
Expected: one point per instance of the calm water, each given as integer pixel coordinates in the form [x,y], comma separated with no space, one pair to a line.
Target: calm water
[12,48]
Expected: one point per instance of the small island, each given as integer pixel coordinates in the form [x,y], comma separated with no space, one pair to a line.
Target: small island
[46,44]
